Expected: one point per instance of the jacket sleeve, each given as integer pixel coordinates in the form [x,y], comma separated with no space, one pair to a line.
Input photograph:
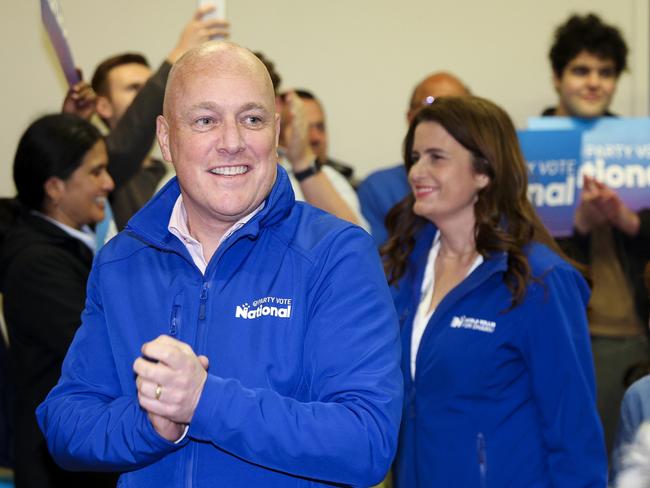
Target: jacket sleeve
[557,351]
[347,432]
[88,421]
[577,245]
[131,140]
[372,211]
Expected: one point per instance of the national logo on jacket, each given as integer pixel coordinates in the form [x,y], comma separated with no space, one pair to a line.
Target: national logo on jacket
[464,322]
[265,307]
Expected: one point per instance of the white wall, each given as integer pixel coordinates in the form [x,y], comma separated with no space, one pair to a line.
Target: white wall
[361,57]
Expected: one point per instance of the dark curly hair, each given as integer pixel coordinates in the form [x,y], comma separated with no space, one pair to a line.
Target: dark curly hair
[587,33]
[505,219]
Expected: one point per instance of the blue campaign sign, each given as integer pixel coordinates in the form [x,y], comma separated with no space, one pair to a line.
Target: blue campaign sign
[553,159]
[560,151]
[617,153]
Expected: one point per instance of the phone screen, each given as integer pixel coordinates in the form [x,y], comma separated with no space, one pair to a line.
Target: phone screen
[219,11]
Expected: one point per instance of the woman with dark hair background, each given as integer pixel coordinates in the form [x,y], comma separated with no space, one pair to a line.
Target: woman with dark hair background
[62,183]
[497,364]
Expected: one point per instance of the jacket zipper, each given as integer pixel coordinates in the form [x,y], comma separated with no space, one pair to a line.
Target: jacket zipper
[175,322]
[202,300]
[189,465]
[173,330]
[482,458]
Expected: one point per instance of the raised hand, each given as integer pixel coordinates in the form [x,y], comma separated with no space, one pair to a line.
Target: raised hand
[199,30]
[599,204]
[295,137]
[80,99]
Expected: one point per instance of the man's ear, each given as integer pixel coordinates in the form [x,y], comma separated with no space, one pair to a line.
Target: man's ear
[162,134]
[103,107]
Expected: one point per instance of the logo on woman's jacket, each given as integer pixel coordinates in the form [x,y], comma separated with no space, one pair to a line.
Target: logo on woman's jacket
[464,322]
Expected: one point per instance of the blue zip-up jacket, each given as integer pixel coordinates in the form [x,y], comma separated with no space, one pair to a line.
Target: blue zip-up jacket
[500,398]
[296,318]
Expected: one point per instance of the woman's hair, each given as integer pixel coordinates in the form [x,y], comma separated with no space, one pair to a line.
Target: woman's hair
[505,219]
[53,145]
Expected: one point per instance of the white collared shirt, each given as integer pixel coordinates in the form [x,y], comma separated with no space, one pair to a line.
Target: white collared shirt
[423,314]
[178,226]
[85,235]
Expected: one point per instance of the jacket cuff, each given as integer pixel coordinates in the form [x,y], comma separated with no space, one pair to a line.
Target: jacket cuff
[205,413]
[158,441]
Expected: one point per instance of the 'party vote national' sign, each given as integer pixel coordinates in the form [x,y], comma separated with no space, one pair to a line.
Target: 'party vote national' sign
[560,151]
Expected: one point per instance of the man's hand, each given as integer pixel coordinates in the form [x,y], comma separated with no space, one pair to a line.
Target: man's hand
[169,381]
[80,99]
[197,31]
[600,204]
[615,211]
[167,429]
[587,214]
[296,133]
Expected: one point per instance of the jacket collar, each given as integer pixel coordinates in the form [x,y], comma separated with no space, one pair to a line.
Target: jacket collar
[151,222]
[494,263]
[411,285]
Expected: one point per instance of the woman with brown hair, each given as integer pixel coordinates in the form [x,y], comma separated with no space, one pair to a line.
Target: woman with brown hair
[497,365]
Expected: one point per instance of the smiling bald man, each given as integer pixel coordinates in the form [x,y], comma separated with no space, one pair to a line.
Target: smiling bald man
[260,329]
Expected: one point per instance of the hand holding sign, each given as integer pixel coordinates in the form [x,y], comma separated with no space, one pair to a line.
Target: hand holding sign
[80,99]
[599,205]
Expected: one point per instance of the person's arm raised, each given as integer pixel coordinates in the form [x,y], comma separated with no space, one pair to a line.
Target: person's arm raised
[199,30]
[317,187]
[130,141]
